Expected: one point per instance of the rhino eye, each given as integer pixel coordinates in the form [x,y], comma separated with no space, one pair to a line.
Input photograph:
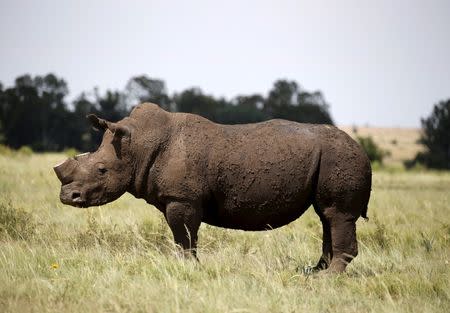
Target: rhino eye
[102,170]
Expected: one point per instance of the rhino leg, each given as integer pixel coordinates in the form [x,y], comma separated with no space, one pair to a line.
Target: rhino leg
[343,238]
[327,251]
[184,221]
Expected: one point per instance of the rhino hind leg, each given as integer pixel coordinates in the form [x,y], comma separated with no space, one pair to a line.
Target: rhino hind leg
[184,221]
[339,240]
[327,251]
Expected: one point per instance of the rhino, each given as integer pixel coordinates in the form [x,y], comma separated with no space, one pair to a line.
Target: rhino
[250,177]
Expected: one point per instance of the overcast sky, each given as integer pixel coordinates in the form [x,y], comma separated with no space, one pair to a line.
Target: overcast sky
[382,63]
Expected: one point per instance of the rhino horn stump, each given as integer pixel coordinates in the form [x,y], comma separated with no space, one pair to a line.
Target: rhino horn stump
[65,169]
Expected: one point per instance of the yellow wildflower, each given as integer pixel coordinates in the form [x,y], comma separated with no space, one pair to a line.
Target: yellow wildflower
[55,266]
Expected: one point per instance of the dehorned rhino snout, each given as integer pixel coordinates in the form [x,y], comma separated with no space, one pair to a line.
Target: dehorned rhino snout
[65,169]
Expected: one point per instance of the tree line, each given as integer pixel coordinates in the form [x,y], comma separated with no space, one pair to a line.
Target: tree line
[35,111]
[435,138]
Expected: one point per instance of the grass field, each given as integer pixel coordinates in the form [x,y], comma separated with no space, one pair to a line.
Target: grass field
[119,257]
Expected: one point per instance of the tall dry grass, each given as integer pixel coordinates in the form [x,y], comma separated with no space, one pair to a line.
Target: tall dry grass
[120,257]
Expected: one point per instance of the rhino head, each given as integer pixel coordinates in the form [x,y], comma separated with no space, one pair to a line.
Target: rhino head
[102,176]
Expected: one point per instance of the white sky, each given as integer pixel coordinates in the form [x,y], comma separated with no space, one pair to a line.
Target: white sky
[384,63]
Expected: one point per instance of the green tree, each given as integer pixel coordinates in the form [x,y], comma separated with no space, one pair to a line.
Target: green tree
[144,89]
[244,109]
[111,106]
[282,96]
[34,112]
[312,108]
[84,139]
[436,138]
[31,108]
[194,101]
[288,101]
[2,136]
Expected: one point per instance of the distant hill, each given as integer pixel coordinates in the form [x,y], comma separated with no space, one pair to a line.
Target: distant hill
[401,142]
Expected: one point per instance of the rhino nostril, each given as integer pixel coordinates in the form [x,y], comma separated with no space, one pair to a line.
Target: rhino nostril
[76,195]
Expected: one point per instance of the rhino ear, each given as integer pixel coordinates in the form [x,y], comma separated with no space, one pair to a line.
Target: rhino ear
[97,123]
[119,130]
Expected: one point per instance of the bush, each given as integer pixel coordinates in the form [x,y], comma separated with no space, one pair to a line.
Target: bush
[5,150]
[380,236]
[374,152]
[71,152]
[15,223]
[144,236]
[106,235]
[25,150]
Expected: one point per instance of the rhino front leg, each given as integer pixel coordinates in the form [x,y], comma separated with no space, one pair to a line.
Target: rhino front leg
[184,220]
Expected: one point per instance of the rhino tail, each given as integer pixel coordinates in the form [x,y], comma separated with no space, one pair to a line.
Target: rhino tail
[364,213]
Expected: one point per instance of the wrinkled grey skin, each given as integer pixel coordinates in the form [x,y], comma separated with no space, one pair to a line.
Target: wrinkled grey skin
[251,177]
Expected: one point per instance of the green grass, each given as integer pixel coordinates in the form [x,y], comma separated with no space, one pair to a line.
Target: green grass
[120,257]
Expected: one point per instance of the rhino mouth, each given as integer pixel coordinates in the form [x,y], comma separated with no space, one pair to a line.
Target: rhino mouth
[81,198]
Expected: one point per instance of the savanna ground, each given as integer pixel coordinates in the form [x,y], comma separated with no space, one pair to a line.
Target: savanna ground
[120,257]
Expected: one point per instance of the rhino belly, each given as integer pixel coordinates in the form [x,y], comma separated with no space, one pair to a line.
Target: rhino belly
[264,204]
